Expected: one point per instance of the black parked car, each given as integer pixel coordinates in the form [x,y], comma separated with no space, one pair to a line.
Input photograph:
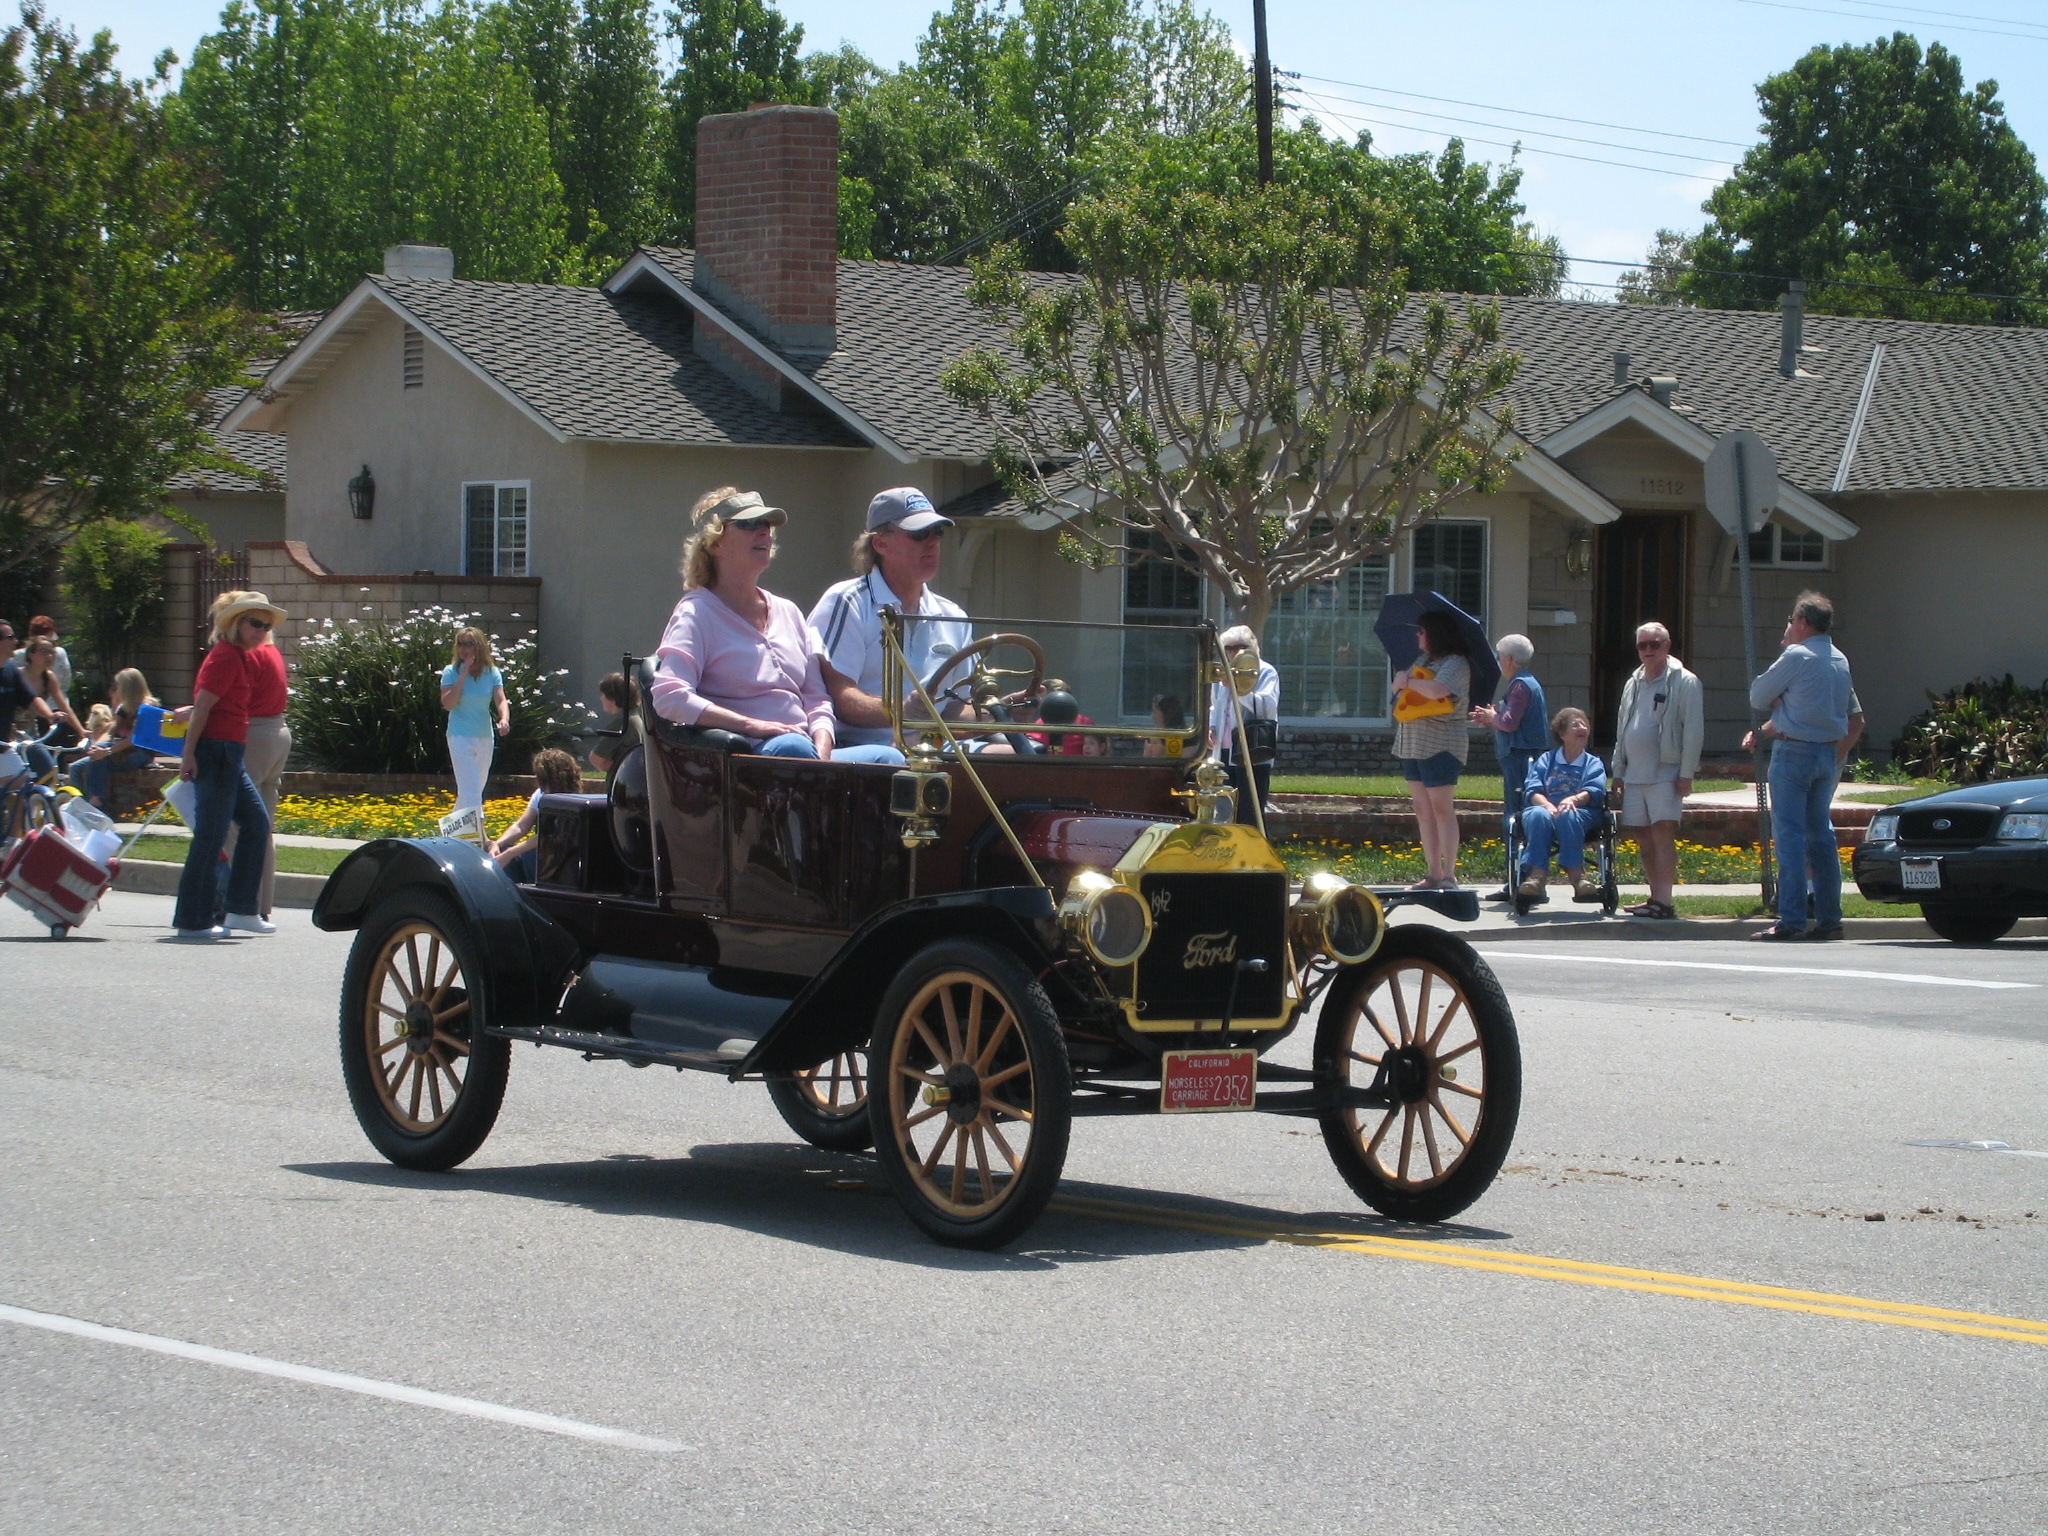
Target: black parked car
[948,961]
[1976,859]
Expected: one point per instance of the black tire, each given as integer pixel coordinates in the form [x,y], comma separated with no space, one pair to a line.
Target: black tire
[828,1104]
[1962,926]
[1392,999]
[406,984]
[1008,1091]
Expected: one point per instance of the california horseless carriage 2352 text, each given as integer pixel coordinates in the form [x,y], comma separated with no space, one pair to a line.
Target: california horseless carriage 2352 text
[948,962]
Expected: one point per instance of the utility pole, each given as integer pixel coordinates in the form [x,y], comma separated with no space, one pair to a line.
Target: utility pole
[1262,90]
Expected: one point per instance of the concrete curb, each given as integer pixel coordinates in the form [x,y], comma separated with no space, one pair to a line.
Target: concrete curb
[1494,927]
[150,877]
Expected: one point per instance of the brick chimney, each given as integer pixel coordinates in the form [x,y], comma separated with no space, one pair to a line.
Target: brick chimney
[768,222]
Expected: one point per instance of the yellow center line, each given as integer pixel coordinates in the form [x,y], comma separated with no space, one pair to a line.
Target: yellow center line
[1984,1325]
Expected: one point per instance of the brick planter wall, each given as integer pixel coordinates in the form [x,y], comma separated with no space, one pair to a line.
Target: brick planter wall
[1367,750]
[285,571]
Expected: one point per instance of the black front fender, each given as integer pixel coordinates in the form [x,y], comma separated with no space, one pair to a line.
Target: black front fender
[526,954]
[836,1010]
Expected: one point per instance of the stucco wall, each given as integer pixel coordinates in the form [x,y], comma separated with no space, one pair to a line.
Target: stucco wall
[1936,590]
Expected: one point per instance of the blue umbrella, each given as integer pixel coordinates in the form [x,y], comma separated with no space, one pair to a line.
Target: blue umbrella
[1396,628]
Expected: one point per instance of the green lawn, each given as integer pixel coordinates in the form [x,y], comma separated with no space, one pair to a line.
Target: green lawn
[290,861]
[1748,906]
[1478,786]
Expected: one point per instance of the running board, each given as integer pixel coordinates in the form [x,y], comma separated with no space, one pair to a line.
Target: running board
[622,1048]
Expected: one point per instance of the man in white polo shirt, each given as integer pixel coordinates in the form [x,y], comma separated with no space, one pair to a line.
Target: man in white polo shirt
[897,557]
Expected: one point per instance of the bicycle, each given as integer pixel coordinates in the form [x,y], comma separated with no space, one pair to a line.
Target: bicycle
[32,800]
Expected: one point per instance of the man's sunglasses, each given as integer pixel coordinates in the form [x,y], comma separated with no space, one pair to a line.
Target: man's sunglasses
[1649,645]
[922,536]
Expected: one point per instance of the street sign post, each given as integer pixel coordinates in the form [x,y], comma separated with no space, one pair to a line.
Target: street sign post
[1741,487]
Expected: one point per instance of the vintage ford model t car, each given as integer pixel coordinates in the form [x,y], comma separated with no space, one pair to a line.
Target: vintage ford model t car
[948,961]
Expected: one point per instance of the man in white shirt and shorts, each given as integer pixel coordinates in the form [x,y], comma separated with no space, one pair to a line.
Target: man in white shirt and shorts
[897,556]
[1657,740]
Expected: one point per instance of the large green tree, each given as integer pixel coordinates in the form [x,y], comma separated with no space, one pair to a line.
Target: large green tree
[1241,377]
[612,175]
[110,329]
[1879,167]
[733,54]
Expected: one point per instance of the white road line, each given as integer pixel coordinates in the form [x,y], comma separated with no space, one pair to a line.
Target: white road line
[260,1366]
[1523,952]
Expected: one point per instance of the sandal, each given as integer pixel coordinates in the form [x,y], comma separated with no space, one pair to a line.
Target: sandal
[1661,910]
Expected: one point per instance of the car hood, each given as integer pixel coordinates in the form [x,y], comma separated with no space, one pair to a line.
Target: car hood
[2007,794]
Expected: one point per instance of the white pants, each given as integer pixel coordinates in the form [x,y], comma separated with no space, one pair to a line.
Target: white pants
[471,756]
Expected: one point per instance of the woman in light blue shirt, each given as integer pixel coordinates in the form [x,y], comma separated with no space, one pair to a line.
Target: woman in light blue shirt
[472,690]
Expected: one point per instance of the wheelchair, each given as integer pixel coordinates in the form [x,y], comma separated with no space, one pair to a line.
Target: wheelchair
[1602,862]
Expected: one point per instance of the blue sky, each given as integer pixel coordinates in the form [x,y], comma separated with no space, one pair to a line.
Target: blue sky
[1683,69]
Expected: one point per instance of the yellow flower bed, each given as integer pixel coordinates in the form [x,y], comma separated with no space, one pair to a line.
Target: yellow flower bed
[364,817]
[1486,859]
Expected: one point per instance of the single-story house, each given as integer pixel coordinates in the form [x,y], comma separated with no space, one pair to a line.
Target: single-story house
[554,437]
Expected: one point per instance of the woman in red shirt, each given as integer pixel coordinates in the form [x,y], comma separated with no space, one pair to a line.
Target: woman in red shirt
[216,740]
[269,741]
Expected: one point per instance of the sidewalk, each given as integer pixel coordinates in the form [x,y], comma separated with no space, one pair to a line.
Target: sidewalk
[128,829]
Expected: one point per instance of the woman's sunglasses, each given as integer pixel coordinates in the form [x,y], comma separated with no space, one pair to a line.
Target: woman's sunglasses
[257,623]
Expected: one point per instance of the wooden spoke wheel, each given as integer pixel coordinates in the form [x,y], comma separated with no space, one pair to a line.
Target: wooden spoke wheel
[827,1104]
[970,1093]
[1425,1020]
[425,1080]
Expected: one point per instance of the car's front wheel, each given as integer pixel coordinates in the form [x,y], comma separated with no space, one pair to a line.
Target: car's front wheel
[1961,926]
[424,1078]
[970,1093]
[1427,1020]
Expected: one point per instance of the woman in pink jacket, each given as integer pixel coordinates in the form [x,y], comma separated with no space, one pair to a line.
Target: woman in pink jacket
[735,656]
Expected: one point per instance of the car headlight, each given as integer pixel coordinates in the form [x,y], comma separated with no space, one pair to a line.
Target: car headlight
[1883,829]
[2023,827]
[1342,920]
[1110,921]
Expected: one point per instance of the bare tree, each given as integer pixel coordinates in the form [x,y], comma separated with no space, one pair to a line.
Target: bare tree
[1243,377]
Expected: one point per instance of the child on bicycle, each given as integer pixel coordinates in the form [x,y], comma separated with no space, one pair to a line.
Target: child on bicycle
[1563,798]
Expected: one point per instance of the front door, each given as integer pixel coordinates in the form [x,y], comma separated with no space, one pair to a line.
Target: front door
[1641,572]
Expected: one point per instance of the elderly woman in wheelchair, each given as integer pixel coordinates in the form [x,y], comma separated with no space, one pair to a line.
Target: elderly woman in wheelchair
[1564,799]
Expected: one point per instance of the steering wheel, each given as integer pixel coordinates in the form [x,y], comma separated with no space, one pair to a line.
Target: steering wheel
[981,647]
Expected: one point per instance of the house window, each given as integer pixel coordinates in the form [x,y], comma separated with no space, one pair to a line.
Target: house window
[1160,589]
[1450,558]
[415,358]
[1320,640]
[494,529]
[1782,544]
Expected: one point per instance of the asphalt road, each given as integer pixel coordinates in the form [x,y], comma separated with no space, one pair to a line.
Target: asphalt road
[1206,1334]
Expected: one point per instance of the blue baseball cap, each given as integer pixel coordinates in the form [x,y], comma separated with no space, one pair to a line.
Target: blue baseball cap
[905,507]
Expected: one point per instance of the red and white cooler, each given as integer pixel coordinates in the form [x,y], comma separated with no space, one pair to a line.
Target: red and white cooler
[48,874]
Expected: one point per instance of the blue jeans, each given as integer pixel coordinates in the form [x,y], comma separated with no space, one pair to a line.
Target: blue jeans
[225,795]
[796,744]
[1514,773]
[1543,827]
[1809,868]
[96,777]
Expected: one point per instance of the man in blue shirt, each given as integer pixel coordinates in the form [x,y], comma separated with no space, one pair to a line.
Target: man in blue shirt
[1808,692]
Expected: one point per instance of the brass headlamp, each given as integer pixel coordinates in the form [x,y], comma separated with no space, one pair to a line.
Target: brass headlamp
[1336,918]
[1111,922]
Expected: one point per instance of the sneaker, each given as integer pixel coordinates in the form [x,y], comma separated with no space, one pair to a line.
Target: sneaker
[1822,935]
[1531,888]
[1503,894]
[249,922]
[200,933]
[1779,933]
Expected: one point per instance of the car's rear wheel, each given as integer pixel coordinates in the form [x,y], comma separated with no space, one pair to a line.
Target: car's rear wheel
[1430,1011]
[969,1093]
[1962,926]
[827,1104]
[424,1078]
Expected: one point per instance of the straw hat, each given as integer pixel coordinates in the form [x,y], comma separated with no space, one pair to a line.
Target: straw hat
[246,603]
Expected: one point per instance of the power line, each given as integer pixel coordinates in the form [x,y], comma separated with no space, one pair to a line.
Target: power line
[1786,5]
[1488,106]
[1534,149]
[1951,15]
[1544,133]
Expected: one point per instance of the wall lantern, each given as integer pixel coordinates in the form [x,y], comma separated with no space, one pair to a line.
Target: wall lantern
[362,494]
[1578,549]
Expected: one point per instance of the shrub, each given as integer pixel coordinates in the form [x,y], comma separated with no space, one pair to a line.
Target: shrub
[367,698]
[25,585]
[1982,730]
[113,593]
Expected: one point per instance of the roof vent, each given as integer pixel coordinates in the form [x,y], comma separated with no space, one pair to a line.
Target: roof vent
[1662,386]
[433,263]
[1622,363]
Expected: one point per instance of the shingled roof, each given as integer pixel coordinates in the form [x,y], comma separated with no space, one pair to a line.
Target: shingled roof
[263,452]
[602,365]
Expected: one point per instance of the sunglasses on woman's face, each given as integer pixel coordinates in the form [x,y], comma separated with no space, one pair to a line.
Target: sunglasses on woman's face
[257,623]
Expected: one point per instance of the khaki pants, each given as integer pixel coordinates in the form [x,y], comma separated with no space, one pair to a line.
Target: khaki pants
[270,743]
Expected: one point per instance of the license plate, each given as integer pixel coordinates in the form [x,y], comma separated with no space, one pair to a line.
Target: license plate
[1920,874]
[1198,1082]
